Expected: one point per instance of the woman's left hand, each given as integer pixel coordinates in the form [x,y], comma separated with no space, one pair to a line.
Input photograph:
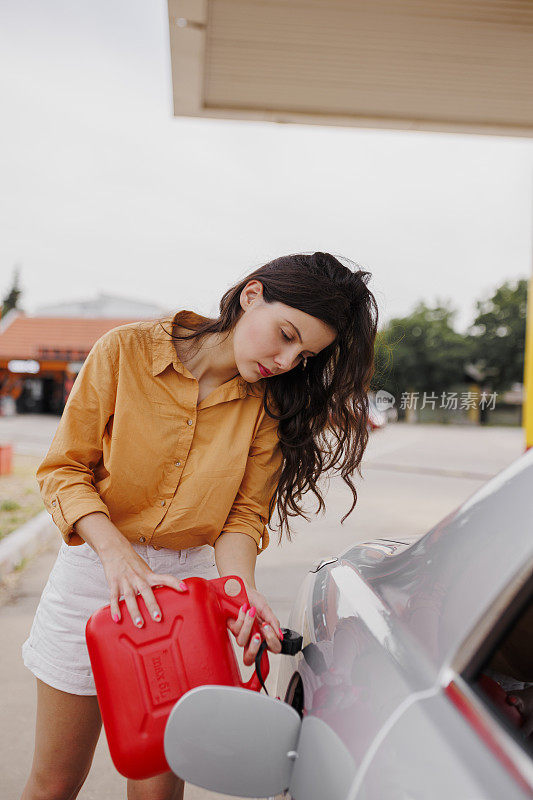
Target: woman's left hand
[268,625]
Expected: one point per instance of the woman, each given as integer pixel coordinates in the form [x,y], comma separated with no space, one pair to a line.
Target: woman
[174,447]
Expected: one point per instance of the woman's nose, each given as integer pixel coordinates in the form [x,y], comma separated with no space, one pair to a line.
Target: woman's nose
[284,362]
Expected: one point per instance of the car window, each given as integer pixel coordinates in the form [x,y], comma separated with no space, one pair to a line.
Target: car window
[504,678]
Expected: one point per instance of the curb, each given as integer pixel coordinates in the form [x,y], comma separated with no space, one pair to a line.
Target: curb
[25,542]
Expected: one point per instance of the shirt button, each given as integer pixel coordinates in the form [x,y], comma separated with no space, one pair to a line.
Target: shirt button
[54,503]
[142,539]
[178,463]
[189,422]
[162,502]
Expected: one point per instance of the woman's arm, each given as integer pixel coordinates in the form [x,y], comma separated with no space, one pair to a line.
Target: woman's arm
[127,574]
[245,534]
[99,532]
[236,554]
[65,475]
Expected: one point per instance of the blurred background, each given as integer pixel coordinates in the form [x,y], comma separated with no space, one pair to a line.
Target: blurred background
[143,171]
[154,154]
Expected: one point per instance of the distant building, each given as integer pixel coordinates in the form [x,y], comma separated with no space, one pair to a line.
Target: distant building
[41,354]
[103,305]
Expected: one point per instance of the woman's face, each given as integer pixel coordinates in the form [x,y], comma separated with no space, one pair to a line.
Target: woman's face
[274,335]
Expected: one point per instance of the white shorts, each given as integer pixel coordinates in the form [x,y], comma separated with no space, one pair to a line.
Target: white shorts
[56,651]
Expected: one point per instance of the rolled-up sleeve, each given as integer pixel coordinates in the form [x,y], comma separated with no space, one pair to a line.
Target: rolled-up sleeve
[65,476]
[249,512]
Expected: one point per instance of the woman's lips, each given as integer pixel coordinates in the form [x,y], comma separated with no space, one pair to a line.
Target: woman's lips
[263,370]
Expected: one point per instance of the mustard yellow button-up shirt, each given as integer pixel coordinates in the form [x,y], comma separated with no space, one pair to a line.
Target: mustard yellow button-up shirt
[134,444]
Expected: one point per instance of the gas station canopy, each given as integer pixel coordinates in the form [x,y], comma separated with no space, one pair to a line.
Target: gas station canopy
[457,66]
[442,65]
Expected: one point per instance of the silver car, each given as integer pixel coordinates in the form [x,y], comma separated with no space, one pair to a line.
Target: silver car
[412,658]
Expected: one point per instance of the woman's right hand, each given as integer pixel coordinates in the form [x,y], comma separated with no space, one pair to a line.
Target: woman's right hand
[128,576]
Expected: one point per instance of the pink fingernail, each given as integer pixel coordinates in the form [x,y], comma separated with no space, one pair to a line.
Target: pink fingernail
[244,608]
[183,586]
[257,637]
[116,617]
[281,634]
[251,612]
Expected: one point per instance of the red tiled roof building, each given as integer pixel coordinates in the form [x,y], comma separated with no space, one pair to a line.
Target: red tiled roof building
[41,356]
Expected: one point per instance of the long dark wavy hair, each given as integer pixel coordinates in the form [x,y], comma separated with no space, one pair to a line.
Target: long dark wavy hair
[322,409]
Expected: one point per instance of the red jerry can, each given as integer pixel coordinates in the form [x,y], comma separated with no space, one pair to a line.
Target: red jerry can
[140,673]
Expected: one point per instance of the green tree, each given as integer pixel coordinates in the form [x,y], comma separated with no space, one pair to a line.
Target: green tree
[421,352]
[498,334]
[12,298]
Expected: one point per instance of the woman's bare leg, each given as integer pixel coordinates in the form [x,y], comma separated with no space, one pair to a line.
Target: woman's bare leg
[66,735]
[163,787]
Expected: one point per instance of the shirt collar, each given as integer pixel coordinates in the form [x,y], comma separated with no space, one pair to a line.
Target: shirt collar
[164,353]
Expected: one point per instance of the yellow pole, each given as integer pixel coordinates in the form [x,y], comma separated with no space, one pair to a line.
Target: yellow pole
[528,370]
[473,412]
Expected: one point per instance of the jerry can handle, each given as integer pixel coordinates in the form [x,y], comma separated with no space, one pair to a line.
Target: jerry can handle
[231,604]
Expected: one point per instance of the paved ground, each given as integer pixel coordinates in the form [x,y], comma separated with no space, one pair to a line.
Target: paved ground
[29,433]
[413,476]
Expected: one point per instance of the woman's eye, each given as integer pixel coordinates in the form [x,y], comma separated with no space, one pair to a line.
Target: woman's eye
[288,338]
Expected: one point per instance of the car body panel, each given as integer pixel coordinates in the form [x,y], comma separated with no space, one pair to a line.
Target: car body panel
[383,623]
[324,767]
[444,583]
[430,750]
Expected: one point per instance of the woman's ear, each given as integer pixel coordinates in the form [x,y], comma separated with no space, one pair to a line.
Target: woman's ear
[251,292]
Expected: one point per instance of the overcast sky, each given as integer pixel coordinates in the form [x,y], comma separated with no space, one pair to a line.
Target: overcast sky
[101,189]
